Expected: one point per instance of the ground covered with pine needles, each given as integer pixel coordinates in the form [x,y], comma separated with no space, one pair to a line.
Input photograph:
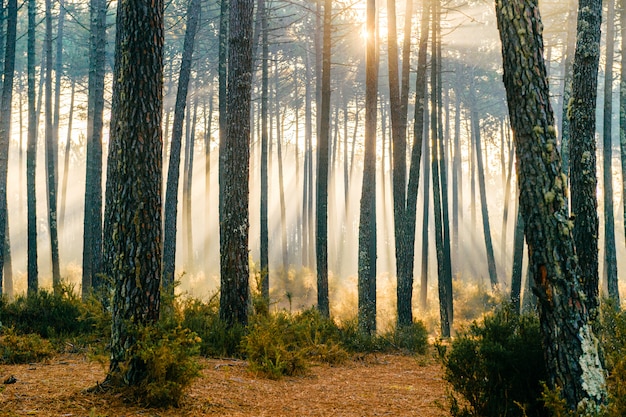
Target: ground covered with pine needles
[366,385]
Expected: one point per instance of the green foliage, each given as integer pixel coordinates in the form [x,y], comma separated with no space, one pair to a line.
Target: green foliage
[496,366]
[167,357]
[613,337]
[47,313]
[282,344]
[16,348]
[411,339]
[218,339]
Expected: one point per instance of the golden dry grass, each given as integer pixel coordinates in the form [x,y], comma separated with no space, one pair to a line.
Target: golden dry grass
[373,385]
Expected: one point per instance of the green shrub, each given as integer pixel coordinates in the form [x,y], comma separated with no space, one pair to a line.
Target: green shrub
[218,338]
[167,356]
[283,344]
[15,348]
[412,339]
[496,366]
[47,313]
[613,338]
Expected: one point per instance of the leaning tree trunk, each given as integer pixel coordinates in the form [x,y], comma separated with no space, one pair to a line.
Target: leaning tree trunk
[173,172]
[570,346]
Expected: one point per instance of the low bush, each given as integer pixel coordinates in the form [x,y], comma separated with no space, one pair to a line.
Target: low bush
[167,356]
[495,367]
[282,344]
[408,339]
[218,338]
[16,348]
[48,314]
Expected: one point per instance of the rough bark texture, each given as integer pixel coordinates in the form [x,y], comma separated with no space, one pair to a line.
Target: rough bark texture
[582,118]
[367,220]
[518,253]
[264,249]
[173,172]
[321,240]
[92,223]
[31,154]
[5,126]
[235,160]
[133,195]
[569,344]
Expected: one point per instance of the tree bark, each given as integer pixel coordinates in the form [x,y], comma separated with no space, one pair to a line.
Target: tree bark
[367,220]
[321,244]
[5,135]
[31,154]
[92,223]
[235,167]
[570,347]
[610,258]
[264,249]
[133,196]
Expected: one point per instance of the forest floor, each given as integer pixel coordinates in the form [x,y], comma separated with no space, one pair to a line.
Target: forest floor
[370,385]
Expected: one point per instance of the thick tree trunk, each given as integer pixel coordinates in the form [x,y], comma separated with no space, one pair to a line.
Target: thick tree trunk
[235,167]
[92,223]
[569,344]
[173,171]
[133,196]
[367,220]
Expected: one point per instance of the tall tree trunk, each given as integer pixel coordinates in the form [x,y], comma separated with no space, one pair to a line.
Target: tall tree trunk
[265,276]
[31,154]
[622,107]
[321,245]
[491,261]
[222,75]
[570,347]
[92,223]
[568,76]
[457,185]
[439,189]
[173,171]
[58,72]
[133,194]
[5,139]
[235,159]
[610,258]
[51,152]
[583,147]
[281,185]
[367,221]
[426,210]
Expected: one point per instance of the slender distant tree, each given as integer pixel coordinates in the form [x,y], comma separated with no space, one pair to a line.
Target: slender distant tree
[570,347]
[321,240]
[367,222]
[5,133]
[134,178]
[582,125]
[622,105]
[173,172]
[31,154]
[610,257]
[265,283]
[568,69]
[51,150]
[235,160]
[92,222]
